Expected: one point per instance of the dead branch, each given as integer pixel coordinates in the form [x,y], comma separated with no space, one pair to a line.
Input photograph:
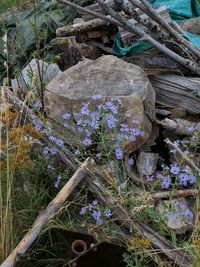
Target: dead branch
[92,13]
[184,157]
[81,27]
[127,25]
[52,209]
[175,193]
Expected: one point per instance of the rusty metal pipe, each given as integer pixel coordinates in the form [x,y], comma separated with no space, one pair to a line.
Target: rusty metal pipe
[78,247]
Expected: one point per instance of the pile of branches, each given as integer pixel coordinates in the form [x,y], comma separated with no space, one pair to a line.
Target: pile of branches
[153,29]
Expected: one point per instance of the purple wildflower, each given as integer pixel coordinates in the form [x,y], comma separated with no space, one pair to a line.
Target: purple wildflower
[96,97]
[112,107]
[38,126]
[97,216]
[94,202]
[174,169]
[87,142]
[132,138]
[130,161]
[188,213]
[135,132]
[99,155]
[66,116]
[166,182]
[149,178]
[57,182]
[124,127]
[190,129]
[118,153]
[111,121]
[79,122]
[183,177]
[191,179]
[83,211]
[59,142]
[52,138]
[53,151]
[107,213]
[50,168]
[84,109]
[45,150]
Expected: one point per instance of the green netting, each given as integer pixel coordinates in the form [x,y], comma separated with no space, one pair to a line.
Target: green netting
[179,10]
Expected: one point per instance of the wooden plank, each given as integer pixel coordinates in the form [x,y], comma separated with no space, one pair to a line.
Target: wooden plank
[177,91]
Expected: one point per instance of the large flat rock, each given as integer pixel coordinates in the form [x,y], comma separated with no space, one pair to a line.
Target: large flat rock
[110,77]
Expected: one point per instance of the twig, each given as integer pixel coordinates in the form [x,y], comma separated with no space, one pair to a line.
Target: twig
[52,209]
[127,25]
[185,157]
[92,13]
[175,193]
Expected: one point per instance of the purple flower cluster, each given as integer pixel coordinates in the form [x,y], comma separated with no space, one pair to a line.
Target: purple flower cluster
[57,141]
[183,175]
[57,182]
[95,212]
[36,123]
[98,117]
[47,150]
[180,210]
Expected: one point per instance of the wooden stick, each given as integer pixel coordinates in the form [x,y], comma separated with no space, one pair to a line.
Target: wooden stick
[81,27]
[52,209]
[175,193]
[132,28]
[92,13]
[185,157]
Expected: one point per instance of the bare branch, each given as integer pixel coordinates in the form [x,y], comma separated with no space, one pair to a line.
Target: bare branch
[127,25]
[184,157]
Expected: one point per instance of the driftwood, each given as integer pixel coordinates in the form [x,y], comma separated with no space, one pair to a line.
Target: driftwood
[82,27]
[171,88]
[158,242]
[52,209]
[175,193]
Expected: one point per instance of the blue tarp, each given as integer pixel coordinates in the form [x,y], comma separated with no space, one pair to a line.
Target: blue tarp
[179,10]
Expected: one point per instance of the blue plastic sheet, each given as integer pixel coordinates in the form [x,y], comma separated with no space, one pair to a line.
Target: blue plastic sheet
[179,10]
